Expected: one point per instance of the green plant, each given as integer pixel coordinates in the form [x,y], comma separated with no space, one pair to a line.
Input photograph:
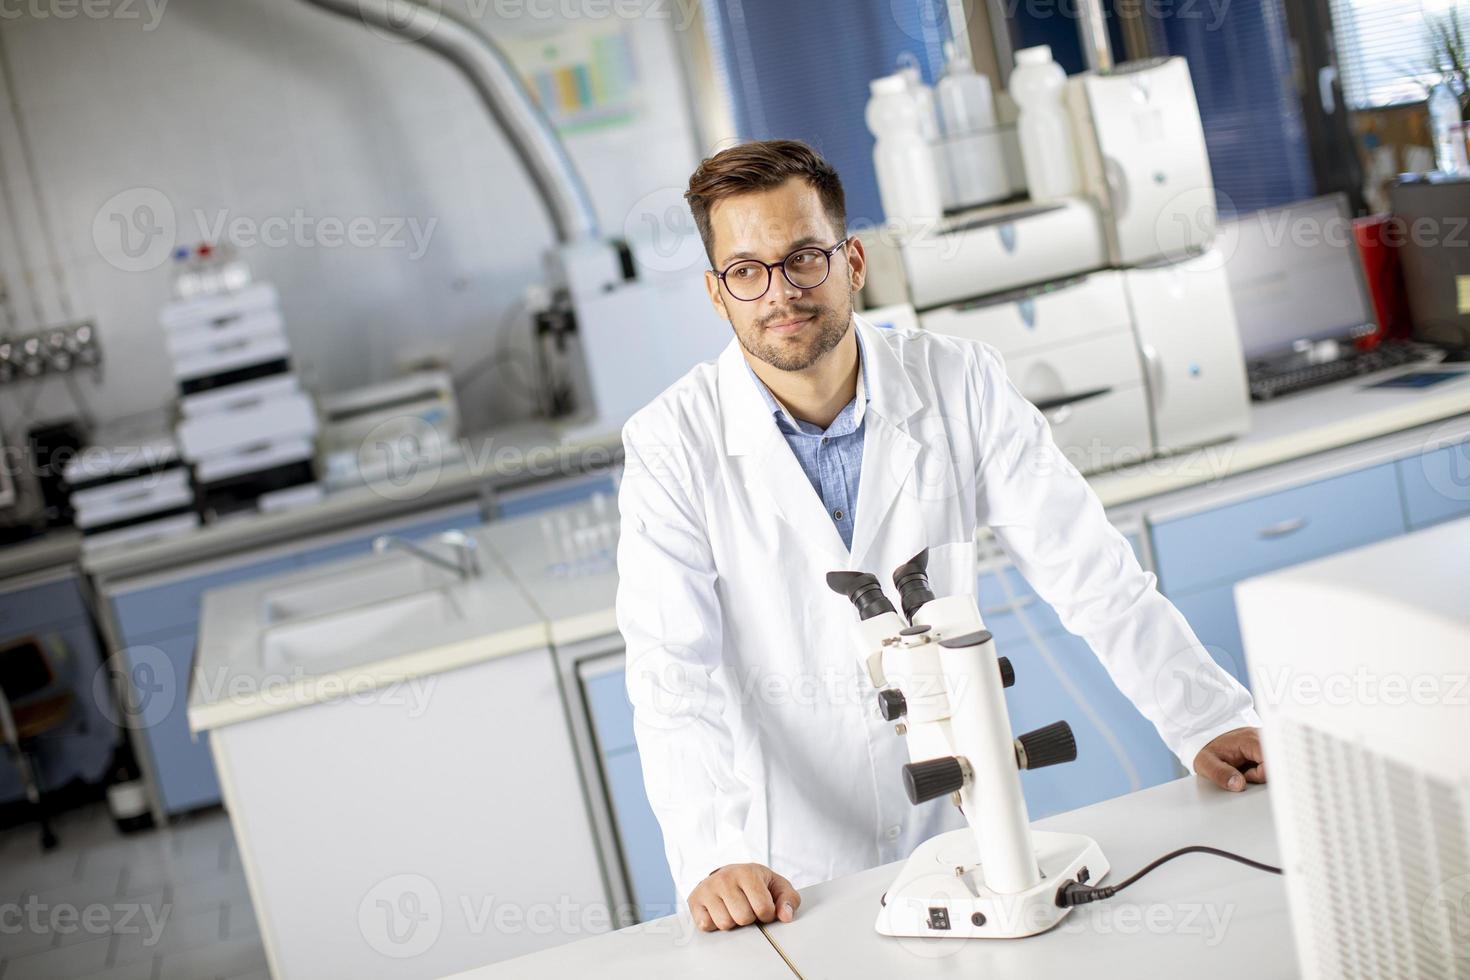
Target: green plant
[1450,55]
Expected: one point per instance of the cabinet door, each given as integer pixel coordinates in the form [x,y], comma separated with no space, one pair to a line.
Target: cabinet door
[157,675]
[639,836]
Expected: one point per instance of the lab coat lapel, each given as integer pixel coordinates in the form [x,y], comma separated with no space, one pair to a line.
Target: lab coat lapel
[765,463]
[889,451]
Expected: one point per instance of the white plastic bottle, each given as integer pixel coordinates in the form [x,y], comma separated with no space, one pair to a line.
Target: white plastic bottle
[923,96]
[1444,124]
[1047,150]
[903,158]
[973,148]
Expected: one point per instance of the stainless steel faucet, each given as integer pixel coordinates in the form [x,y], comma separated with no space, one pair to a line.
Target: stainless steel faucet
[466,563]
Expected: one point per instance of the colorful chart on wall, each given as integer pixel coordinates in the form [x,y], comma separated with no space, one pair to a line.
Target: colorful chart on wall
[585,77]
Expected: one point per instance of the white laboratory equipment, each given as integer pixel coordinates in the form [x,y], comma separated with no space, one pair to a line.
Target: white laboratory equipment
[127,486]
[1358,661]
[908,173]
[973,148]
[388,428]
[940,681]
[1048,152]
[1110,306]
[1142,150]
[245,425]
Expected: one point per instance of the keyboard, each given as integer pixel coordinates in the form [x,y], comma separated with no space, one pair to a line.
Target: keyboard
[1391,355]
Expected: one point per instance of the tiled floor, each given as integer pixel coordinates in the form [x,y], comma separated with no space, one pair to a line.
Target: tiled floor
[157,905]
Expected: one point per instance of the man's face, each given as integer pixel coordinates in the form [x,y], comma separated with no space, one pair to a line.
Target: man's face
[788,328]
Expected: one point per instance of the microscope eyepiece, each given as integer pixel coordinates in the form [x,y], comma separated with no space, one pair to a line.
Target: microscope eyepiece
[912,581]
[862,590]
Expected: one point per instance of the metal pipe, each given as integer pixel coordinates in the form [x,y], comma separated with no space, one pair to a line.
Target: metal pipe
[1093,28]
[495,80]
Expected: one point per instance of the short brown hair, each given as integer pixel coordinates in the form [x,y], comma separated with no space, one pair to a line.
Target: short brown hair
[759,166]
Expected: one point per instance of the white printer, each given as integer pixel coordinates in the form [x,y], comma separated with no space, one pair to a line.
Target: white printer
[1113,317]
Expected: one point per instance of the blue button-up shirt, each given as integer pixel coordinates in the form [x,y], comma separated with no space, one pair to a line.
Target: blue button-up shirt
[832,457]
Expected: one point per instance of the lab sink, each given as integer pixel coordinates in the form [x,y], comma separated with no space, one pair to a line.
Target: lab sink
[384,622]
[384,581]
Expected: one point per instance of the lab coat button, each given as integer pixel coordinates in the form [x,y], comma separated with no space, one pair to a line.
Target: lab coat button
[894,831]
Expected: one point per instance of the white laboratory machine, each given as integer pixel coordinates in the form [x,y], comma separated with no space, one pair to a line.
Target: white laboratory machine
[1110,309]
[376,430]
[941,682]
[245,424]
[1359,664]
[126,487]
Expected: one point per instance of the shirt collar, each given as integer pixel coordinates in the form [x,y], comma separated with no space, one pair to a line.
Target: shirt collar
[857,405]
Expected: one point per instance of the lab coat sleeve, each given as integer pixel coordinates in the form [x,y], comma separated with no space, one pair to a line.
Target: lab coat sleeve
[669,614]
[1052,525]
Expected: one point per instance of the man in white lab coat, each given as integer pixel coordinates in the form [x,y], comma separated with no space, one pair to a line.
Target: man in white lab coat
[819,442]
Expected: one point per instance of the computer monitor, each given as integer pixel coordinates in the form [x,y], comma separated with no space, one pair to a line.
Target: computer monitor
[1359,669]
[1295,275]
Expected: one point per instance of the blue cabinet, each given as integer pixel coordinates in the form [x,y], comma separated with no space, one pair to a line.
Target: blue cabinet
[1200,557]
[1278,529]
[639,838]
[158,625]
[1436,485]
[564,493]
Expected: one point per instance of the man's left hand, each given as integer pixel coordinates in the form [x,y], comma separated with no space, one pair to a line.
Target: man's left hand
[1233,759]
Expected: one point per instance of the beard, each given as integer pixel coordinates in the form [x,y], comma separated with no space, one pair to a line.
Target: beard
[792,354]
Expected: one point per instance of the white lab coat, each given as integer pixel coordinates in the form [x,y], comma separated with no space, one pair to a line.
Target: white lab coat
[758,730]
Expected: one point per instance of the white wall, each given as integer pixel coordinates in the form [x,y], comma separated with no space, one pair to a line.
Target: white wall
[270,108]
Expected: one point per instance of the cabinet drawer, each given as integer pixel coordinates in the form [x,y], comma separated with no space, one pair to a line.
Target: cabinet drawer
[560,494]
[1039,317]
[1278,529]
[1436,485]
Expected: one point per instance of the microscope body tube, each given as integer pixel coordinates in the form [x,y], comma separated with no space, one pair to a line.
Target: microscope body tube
[981,734]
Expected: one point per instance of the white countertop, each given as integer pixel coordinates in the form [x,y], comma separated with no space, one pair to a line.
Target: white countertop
[1198,916]
[1293,426]
[233,680]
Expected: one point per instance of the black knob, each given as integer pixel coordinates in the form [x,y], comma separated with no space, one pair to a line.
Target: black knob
[891,704]
[1007,672]
[1047,746]
[932,778]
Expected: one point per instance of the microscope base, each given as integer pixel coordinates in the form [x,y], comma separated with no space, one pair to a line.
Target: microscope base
[930,899]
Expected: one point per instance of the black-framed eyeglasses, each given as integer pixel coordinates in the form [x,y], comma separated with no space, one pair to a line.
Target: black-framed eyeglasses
[805,268]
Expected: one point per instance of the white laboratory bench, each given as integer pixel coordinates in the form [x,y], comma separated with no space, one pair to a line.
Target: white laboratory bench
[1198,916]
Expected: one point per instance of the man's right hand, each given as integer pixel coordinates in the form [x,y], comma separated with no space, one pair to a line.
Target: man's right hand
[739,894]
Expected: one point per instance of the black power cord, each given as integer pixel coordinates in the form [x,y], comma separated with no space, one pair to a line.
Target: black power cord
[1078,893]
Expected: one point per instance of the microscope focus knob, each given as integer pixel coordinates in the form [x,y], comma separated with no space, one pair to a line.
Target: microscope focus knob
[1007,672]
[1046,746]
[891,704]
[933,778]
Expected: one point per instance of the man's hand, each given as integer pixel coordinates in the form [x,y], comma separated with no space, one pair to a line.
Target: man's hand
[1233,759]
[739,894]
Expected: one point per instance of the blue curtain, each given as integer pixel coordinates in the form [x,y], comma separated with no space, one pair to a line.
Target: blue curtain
[799,69]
